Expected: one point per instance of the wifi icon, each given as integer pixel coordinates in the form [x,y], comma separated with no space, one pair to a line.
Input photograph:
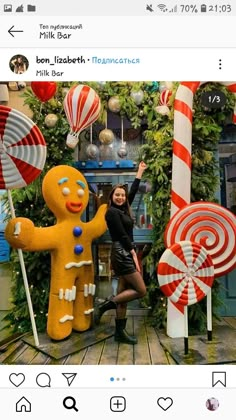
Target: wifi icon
[162,7]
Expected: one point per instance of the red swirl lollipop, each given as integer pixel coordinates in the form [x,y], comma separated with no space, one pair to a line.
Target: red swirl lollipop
[185,272]
[210,225]
[22,149]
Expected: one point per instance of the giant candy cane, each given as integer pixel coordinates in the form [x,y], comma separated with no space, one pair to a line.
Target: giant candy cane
[181,173]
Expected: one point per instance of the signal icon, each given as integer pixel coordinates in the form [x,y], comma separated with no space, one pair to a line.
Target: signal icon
[174,10]
[162,7]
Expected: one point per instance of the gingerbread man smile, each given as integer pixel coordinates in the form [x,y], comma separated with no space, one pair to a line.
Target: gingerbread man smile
[74,207]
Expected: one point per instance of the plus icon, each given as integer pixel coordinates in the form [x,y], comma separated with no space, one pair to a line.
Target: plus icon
[117,404]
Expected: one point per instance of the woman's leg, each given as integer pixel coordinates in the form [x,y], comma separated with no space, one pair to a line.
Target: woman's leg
[132,287]
[124,295]
[121,307]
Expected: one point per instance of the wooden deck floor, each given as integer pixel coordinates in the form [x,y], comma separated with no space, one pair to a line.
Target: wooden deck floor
[148,351]
[153,348]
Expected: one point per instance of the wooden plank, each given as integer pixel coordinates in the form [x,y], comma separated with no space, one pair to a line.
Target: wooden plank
[13,355]
[141,350]
[76,358]
[109,355]
[10,350]
[25,357]
[230,320]
[157,353]
[126,351]
[40,359]
[61,361]
[110,350]
[93,354]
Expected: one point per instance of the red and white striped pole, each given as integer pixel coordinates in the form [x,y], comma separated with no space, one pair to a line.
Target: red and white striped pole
[181,174]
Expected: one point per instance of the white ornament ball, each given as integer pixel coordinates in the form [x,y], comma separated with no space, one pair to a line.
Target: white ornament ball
[65,90]
[101,84]
[137,96]
[92,151]
[51,120]
[114,104]
[106,136]
[162,86]
[122,152]
[169,85]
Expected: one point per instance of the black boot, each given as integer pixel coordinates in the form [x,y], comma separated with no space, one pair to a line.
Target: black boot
[121,335]
[100,309]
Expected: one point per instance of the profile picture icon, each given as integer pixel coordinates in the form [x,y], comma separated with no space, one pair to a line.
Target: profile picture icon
[212,404]
[18,64]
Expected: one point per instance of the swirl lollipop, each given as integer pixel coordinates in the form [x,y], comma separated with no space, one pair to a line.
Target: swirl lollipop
[210,225]
[22,158]
[22,149]
[185,272]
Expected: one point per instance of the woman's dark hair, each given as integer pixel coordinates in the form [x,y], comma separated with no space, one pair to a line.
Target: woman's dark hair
[126,204]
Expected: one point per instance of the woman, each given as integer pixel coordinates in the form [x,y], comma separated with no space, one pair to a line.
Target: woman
[19,66]
[124,260]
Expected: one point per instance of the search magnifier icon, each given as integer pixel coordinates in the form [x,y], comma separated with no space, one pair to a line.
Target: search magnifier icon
[70,403]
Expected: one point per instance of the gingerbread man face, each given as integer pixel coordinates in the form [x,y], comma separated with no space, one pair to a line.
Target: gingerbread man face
[65,191]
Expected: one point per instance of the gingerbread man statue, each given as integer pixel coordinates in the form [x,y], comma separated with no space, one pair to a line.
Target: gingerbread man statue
[72,287]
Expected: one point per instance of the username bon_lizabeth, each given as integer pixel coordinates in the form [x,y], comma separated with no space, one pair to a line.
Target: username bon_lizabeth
[60,60]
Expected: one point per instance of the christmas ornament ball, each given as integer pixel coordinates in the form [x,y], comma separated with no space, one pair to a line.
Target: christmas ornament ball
[122,152]
[114,104]
[137,96]
[92,151]
[51,120]
[106,136]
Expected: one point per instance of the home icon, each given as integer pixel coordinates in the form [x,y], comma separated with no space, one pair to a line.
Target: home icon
[23,405]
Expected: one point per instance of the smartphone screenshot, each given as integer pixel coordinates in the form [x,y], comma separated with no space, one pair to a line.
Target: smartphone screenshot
[117,209]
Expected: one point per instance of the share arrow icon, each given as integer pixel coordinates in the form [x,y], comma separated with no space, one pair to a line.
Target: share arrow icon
[69,377]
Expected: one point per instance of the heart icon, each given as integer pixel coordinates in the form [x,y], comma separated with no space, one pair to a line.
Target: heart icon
[17,378]
[165,403]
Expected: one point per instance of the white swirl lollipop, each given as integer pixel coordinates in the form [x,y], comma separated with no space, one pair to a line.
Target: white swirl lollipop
[210,225]
[185,273]
[22,149]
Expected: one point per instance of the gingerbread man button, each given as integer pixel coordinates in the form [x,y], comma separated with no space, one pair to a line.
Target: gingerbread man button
[72,287]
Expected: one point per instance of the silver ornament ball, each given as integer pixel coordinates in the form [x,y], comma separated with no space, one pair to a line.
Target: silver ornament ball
[92,151]
[122,152]
[137,96]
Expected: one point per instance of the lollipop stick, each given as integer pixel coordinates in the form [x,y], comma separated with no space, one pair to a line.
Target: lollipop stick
[22,264]
[209,317]
[185,329]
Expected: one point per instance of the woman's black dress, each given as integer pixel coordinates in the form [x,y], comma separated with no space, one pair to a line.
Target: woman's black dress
[120,226]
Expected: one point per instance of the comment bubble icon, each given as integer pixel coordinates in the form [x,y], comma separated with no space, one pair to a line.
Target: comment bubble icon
[43,380]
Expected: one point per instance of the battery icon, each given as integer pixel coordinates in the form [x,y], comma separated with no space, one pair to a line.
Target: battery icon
[203,8]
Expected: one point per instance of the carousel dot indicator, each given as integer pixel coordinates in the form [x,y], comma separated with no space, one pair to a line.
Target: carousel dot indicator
[112,379]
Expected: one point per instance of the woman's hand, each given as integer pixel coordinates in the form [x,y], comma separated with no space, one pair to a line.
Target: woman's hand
[136,262]
[141,168]
[142,165]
